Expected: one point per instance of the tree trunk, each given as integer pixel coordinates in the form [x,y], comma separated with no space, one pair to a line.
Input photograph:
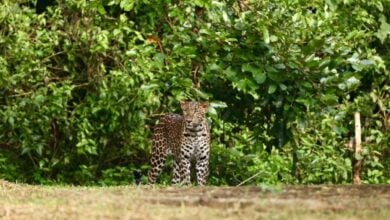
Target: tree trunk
[358,161]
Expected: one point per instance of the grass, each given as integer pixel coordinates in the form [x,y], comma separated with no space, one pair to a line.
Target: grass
[19,201]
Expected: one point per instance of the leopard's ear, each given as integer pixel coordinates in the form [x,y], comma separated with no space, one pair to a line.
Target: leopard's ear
[205,105]
[183,104]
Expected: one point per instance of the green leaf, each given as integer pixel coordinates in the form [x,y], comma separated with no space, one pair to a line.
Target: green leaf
[101,9]
[275,75]
[271,89]
[231,74]
[283,87]
[11,121]
[248,68]
[384,29]
[265,35]
[25,150]
[127,5]
[260,77]
[39,99]
[257,73]
[330,99]
[202,3]
[218,104]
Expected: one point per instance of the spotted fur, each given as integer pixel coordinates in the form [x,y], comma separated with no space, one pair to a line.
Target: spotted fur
[186,137]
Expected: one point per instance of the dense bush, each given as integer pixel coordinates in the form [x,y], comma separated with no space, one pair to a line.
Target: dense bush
[83,83]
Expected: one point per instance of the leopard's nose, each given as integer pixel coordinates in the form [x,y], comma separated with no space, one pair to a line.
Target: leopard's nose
[197,125]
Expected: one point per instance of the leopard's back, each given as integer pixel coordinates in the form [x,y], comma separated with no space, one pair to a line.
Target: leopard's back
[169,128]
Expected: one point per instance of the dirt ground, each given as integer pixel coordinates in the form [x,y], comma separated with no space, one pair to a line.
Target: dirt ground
[19,201]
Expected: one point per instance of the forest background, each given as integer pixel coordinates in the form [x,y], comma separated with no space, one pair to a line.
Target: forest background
[82,83]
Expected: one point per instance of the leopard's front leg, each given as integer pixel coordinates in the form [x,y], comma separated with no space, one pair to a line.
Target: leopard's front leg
[176,172]
[202,163]
[185,164]
[202,171]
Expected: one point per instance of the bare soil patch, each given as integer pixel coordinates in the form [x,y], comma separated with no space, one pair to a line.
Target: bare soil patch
[19,201]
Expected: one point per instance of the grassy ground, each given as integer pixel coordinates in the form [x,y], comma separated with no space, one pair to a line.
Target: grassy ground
[130,202]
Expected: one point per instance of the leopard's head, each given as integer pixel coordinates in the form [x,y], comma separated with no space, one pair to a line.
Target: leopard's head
[194,114]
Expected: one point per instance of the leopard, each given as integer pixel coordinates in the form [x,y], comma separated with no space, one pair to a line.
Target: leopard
[186,137]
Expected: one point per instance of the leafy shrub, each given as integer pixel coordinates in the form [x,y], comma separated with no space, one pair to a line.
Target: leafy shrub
[83,83]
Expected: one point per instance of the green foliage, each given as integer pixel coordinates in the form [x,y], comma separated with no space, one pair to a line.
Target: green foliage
[320,152]
[82,85]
